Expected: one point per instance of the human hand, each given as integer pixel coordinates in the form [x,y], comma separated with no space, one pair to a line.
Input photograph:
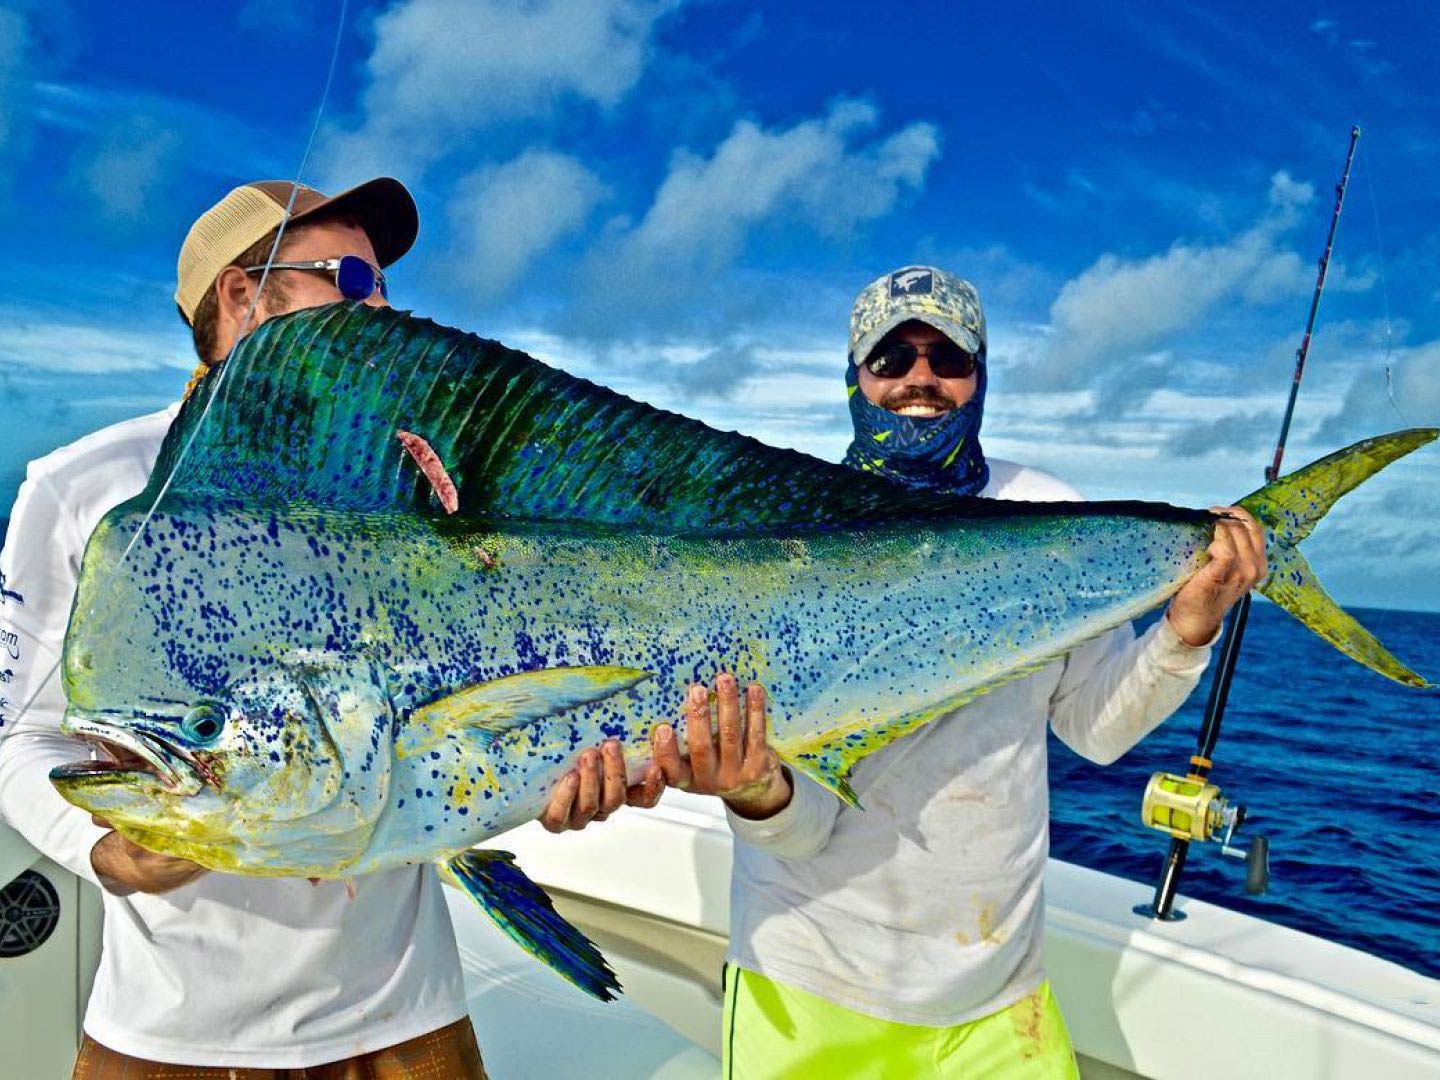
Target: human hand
[595,789]
[125,867]
[1237,565]
[728,758]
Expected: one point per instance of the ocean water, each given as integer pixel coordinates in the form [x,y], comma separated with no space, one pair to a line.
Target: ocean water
[1338,767]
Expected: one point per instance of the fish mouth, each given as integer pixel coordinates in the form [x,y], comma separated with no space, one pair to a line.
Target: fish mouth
[126,755]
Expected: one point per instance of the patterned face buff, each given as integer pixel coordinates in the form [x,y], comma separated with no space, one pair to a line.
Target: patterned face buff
[940,453]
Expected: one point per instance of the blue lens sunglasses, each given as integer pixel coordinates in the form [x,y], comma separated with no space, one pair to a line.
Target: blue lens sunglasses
[354,277]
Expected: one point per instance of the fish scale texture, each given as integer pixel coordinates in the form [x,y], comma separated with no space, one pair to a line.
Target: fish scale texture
[298,578]
[326,675]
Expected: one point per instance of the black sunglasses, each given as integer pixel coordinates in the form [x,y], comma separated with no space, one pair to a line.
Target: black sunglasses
[947,360]
[353,276]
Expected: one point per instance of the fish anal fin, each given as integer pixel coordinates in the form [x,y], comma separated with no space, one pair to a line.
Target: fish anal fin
[526,914]
[829,760]
[500,705]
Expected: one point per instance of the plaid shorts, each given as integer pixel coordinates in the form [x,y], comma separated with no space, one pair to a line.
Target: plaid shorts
[449,1053]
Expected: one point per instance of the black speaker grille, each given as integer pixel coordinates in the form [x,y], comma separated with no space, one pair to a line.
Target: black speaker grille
[29,912]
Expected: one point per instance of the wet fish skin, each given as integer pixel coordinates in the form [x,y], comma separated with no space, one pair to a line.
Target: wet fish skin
[393,684]
[332,695]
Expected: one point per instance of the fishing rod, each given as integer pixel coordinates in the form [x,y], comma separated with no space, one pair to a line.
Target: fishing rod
[1190,807]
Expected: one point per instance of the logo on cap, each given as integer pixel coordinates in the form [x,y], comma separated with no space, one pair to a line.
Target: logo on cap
[913,282]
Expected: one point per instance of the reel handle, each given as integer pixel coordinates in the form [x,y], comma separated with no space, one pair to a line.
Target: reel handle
[1257,866]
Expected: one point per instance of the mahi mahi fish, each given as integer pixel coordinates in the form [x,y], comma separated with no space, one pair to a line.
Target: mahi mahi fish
[302,663]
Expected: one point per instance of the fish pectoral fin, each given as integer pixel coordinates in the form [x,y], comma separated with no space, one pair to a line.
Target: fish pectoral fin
[525,913]
[829,758]
[500,705]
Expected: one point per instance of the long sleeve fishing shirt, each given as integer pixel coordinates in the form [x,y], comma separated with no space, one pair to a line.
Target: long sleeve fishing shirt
[927,907]
[227,970]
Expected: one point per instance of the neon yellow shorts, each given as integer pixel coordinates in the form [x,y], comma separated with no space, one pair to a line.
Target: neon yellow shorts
[773,1031]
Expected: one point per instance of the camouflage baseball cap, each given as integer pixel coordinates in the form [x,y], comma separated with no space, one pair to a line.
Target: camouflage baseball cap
[949,304]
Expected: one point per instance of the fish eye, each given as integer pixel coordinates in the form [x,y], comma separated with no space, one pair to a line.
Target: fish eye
[203,723]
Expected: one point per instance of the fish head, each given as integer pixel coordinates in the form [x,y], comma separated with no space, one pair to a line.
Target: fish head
[211,773]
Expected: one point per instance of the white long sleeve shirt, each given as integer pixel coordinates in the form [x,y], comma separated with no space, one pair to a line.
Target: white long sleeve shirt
[927,907]
[227,970]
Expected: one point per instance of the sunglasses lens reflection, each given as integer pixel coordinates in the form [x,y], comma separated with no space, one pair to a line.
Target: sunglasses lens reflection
[355,278]
[892,362]
[947,360]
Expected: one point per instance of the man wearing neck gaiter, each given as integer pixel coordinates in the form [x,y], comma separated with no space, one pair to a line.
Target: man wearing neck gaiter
[904,940]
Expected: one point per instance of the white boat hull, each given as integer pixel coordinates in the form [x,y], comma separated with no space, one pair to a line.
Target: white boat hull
[1218,995]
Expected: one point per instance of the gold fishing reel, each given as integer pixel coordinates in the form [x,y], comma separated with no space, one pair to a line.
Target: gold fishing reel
[1192,808]
[1186,807]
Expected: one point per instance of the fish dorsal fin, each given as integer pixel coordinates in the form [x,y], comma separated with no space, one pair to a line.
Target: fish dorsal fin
[492,708]
[311,406]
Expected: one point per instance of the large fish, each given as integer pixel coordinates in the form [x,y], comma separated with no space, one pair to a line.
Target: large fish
[303,665]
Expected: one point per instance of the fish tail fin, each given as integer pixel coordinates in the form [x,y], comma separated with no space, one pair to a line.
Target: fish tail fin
[1290,507]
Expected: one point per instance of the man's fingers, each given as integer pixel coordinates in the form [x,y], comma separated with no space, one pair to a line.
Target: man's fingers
[557,809]
[1252,536]
[727,693]
[698,735]
[587,795]
[757,725]
[1237,553]
[612,795]
[1242,528]
[666,747]
[1222,552]
[647,792]
[1249,566]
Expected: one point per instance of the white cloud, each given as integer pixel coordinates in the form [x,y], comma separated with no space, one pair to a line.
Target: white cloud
[444,69]
[1288,195]
[1119,307]
[504,217]
[1233,432]
[811,170]
[216,143]
[133,162]
[828,175]
[792,397]
[82,348]
[1407,396]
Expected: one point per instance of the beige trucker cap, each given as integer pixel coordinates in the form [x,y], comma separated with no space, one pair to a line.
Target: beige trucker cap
[383,207]
[923,293]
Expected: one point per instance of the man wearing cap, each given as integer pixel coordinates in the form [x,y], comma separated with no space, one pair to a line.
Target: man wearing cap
[905,939]
[230,976]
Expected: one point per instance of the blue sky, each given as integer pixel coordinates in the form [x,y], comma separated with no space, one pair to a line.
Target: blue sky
[680,199]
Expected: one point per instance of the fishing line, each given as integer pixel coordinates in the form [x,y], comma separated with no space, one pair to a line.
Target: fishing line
[1385,299]
[224,365]
[1384,290]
